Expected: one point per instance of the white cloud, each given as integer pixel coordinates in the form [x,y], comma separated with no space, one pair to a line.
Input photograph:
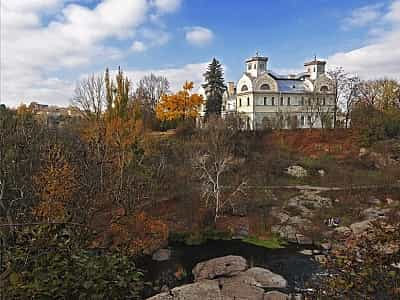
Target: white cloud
[138,46]
[167,6]
[379,57]
[363,16]
[199,36]
[42,40]
[176,76]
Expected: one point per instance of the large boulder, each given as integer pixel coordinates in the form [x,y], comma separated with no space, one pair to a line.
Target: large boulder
[360,227]
[373,213]
[265,278]
[240,287]
[206,289]
[217,267]
[275,295]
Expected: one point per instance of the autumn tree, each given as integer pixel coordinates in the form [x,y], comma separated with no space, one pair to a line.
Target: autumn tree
[214,87]
[184,105]
[123,128]
[56,184]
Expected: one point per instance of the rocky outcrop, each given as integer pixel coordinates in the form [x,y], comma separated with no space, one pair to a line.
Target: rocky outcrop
[206,289]
[228,278]
[265,278]
[222,266]
[275,295]
[297,171]
[360,227]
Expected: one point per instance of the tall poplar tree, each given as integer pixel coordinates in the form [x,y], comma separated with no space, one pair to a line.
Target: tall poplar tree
[214,87]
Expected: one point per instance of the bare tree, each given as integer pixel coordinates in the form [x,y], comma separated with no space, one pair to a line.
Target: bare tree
[150,89]
[90,100]
[339,79]
[214,162]
[89,96]
[349,96]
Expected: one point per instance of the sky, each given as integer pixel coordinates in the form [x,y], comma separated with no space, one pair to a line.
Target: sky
[47,46]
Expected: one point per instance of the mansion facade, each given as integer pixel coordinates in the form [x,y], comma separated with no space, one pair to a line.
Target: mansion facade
[264,99]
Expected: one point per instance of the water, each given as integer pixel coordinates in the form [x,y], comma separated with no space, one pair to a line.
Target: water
[295,267]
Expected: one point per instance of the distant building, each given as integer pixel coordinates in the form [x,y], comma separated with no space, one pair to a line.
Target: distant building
[52,115]
[263,98]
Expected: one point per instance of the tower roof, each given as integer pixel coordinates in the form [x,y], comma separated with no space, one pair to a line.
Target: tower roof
[315,62]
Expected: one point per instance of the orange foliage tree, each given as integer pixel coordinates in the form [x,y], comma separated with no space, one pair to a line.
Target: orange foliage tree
[180,106]
[56,184]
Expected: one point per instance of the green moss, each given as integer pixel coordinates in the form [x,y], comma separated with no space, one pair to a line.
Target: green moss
[199,237]
[272,243]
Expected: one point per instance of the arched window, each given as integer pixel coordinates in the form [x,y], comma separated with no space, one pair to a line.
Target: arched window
[265,86]
[324,89]
[244,88]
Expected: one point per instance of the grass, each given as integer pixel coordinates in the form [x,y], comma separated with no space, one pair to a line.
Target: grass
[272,243]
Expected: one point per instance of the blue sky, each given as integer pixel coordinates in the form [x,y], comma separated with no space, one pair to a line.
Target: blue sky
[47,45]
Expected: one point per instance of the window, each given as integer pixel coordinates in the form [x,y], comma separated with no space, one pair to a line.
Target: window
[302,100]
[255,66]
[309,101]
[273,101]
[244,88]
[302,121]
[309,120]
[240,101]
[248,101]
[324,89]
[265,86]
[282,101]
[288,101]
[323,101]
[249,67]
[265,100]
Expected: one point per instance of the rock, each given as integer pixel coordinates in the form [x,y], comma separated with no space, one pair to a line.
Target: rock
[297,171]
[303,240]
[320,258]
[373,200]
[343,231]
[321,173]
[326,246]
[306,252]
[222,266]
[374,212]
[275,295]
[265,278]
[360,227]
[363,152]
[206,289]
[240,288]
[162,255]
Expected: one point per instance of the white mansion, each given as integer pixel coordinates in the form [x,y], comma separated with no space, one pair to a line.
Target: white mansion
[263,98]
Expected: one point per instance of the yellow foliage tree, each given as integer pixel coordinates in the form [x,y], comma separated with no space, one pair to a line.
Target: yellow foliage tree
[56,183]
[180,106]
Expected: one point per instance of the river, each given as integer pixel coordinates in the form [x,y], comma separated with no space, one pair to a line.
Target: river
[297,268]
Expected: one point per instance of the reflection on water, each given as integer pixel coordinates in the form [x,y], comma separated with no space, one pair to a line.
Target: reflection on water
[295,267]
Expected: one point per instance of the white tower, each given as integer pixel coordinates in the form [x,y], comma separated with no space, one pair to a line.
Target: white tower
[315,68]
[256,65]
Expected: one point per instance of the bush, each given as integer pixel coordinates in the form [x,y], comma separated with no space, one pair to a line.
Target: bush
[47,263]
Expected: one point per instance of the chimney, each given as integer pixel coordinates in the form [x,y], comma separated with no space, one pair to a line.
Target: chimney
[231,88]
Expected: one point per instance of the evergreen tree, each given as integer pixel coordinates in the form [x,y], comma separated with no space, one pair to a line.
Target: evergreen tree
[214,87]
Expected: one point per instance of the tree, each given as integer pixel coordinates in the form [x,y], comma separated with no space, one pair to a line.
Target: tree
[180,106]
[214,161]
[148,93]
[214,87]
[339,79]
[150,90]
[349,96]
